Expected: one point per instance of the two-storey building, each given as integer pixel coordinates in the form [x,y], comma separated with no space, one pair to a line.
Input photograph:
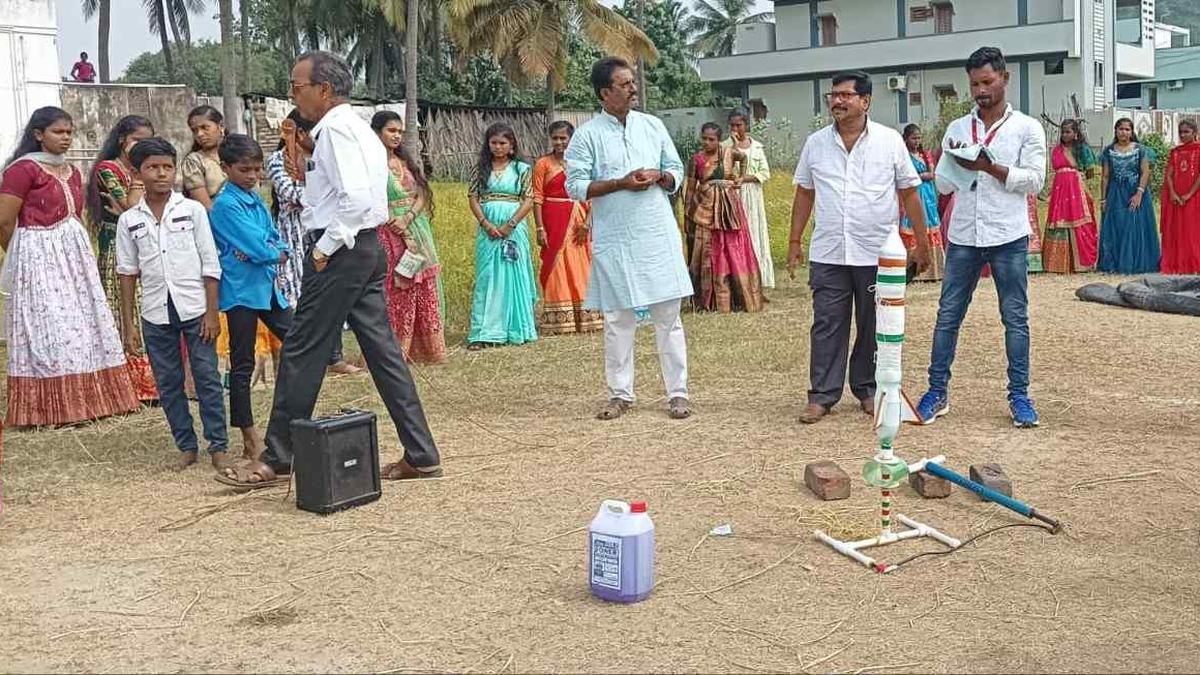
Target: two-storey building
[1060,52]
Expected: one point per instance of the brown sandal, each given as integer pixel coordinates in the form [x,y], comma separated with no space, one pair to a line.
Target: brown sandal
[614,409]
[244,471]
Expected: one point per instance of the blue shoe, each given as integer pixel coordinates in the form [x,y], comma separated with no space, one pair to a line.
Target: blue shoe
[1023,414]
[932,406]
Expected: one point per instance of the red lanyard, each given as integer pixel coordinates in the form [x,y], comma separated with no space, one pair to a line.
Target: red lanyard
[991,135]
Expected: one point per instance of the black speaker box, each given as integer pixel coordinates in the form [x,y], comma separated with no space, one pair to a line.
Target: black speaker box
[336,461]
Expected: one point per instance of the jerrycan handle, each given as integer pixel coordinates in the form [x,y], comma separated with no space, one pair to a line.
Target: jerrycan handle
[614,506]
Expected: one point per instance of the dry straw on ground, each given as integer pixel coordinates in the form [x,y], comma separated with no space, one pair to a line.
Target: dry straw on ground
[111,562]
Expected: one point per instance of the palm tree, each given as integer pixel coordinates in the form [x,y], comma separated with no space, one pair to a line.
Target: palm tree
[404,16]
[714,24]
[156,11]
[412,136]
[244,24]
[528,37]
[229,84]
[104,9]
[173,14]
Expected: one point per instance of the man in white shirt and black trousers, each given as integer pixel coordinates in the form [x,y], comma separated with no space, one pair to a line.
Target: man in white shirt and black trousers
[990,225]
[853,170]
[345,199]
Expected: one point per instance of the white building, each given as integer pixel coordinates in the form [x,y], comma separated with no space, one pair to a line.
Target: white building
[29,73]
[1167,36]
[915,50]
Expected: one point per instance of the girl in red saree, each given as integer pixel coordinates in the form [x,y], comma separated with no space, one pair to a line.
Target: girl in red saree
[1180,206]
[1072,242]
[564,235]
[721,258]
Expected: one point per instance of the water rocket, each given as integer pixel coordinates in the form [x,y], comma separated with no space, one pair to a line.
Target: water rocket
[892,408]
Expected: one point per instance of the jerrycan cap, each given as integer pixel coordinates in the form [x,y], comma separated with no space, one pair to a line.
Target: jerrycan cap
[637,507]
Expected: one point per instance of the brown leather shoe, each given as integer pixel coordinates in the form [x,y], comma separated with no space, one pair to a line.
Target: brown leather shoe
[868,406]
[813,412]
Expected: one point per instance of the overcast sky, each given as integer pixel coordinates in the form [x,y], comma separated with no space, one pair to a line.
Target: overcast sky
[130,34]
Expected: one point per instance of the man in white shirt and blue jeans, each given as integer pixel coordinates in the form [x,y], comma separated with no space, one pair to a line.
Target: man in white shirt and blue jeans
[853,170]
[990,225]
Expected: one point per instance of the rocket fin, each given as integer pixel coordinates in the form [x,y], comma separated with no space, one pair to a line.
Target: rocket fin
[908,411]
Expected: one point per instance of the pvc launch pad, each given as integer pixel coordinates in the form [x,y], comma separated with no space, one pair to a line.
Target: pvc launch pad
[854,549]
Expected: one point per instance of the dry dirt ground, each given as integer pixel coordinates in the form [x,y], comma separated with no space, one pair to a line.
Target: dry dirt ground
[109,562]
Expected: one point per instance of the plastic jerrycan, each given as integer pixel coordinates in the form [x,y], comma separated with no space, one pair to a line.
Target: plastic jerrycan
[621,552]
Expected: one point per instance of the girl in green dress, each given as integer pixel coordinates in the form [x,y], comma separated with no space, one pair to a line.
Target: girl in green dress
[505,287]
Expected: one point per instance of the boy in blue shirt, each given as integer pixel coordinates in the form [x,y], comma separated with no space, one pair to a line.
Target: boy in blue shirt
[251,252]
[165,241]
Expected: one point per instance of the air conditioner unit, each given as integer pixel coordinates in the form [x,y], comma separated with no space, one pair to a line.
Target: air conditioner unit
[1175,84]
[897,83]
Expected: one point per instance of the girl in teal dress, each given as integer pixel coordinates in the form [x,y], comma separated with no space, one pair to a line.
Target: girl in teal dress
[505,287]
[1128,232]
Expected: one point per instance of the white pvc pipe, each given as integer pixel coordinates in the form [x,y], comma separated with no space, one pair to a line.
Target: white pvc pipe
[927,531]
[845,549]
[920,465]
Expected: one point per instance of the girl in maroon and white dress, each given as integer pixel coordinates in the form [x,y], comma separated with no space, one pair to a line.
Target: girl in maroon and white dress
[65,359]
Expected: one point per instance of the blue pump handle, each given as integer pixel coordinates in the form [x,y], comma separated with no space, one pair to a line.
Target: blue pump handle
[992,495]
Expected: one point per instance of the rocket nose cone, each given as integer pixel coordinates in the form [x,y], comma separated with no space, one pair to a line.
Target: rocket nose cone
[893,247]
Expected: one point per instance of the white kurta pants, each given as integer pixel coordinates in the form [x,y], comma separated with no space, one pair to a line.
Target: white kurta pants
[620,328]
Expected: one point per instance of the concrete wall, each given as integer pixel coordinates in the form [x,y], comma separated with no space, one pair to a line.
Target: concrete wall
[97,107]
[1135,61]
[29,69]
[968,15]
[787,100]
[1048,94]
[861,21]
[688,120]
[754,37]
[1041,11]
[1187,98]
[893,53]
[792,28]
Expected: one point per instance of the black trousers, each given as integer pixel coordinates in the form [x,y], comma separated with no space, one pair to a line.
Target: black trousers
[349,289]
[839,292]
[243,334]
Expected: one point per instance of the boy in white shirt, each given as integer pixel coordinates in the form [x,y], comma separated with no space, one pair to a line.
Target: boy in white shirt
[166,242]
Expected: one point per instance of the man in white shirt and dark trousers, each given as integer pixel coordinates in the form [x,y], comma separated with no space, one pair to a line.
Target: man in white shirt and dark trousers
[990,225]
[345,200]
[853,170]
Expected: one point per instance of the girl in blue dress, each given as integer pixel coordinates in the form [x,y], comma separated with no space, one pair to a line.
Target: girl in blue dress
[1128,233]
[505,287]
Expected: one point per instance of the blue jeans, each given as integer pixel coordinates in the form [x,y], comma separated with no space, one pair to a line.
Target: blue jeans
[166,360]
[1010,269]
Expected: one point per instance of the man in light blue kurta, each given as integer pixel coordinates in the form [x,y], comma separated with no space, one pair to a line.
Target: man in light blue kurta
[625,162]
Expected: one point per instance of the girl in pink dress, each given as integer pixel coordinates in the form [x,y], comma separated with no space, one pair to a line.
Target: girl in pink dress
[66,363]
[1071,242]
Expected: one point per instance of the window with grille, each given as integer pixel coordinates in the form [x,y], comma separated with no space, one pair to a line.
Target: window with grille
[943,18]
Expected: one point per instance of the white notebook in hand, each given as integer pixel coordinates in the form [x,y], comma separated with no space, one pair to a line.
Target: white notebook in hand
[950,171]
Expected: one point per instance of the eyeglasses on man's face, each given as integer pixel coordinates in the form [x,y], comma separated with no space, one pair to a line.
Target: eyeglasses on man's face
[832,96]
